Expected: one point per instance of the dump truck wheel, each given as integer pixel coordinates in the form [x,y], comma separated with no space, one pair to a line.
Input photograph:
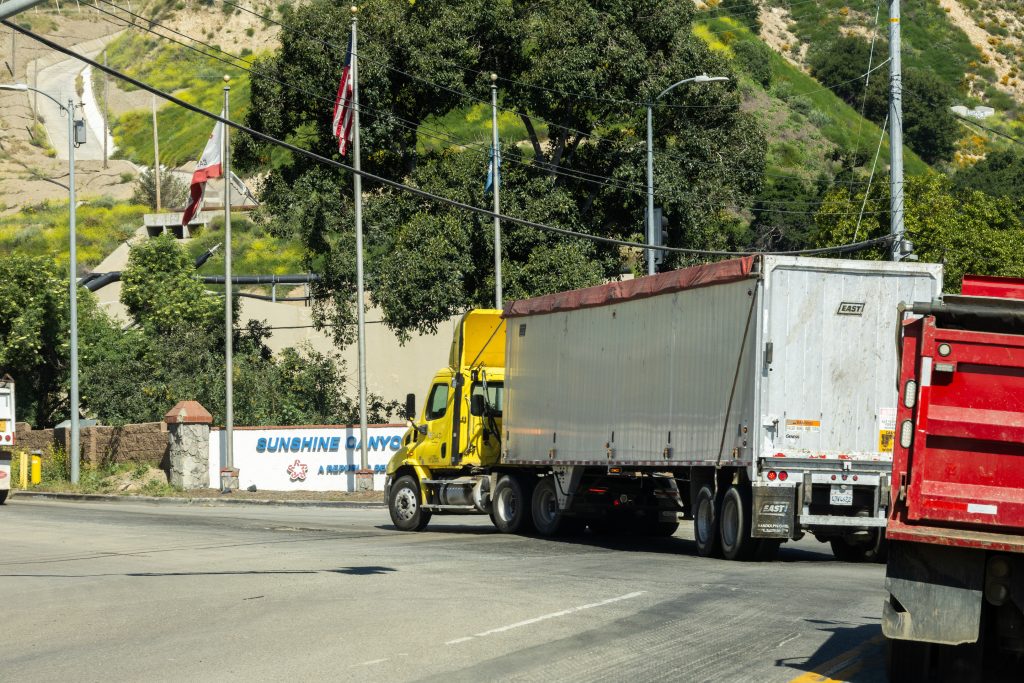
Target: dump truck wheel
[405,507]
[705,524]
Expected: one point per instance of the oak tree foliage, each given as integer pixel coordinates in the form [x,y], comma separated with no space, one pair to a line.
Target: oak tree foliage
[576,73]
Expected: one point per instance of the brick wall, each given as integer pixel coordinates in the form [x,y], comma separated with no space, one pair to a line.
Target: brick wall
[145,442]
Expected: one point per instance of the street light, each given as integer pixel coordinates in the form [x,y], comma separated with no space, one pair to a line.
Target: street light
[76,136]
[702,78]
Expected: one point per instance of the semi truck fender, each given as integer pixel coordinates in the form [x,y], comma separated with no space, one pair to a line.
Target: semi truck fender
[399,467]
[935,593]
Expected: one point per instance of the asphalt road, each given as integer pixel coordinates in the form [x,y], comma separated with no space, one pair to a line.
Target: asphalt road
[131,592]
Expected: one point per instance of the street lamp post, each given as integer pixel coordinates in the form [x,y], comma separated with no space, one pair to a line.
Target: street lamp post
[69,109]
[702,78]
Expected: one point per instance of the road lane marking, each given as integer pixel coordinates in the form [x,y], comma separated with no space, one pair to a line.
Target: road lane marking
[459,640]
[370,662]
[844,663]
[545,617]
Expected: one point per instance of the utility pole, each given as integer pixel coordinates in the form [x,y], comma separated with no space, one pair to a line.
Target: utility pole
[895,134]
[495,187]
[76,459]
[106,124]
[156,152]
[364,478]
[229,390]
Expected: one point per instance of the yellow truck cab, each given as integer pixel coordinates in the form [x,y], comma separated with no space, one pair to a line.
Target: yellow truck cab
[457,435]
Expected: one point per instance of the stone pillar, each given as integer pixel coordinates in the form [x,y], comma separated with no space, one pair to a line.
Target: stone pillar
[188,430]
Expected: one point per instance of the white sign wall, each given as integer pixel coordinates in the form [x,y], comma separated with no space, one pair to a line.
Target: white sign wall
[305,458]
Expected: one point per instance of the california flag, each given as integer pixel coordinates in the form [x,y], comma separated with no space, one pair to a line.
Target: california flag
[209,166]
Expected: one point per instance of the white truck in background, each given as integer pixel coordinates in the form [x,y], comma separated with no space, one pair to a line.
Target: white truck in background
[7,435]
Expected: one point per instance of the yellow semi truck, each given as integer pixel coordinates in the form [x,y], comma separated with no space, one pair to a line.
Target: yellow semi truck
[754,396]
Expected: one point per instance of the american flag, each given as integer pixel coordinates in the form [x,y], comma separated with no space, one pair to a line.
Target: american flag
[343,110]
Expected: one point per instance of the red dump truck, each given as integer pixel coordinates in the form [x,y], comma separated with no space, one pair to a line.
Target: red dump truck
[955,572]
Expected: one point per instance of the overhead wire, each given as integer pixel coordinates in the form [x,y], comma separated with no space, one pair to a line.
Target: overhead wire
[846,248]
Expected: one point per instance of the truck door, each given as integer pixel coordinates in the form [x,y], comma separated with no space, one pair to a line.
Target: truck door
[433,451]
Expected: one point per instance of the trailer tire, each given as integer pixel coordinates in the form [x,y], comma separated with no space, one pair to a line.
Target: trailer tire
[767,549]
[876,551]
[734,526]
[907,660]
[705,524]
[3,497]
[547,518]
[405,505]
[512,504]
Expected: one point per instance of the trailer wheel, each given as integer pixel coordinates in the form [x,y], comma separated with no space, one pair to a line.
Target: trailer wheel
[547,518]
[705,524]
[511,504]
[404,505]
[734,526]
[873,551]
[3,496]
[907,660]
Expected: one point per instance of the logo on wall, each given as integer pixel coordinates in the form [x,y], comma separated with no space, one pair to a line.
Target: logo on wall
[297,471]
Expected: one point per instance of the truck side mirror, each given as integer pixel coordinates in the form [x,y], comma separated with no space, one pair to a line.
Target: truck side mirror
[410,406]
[477,405]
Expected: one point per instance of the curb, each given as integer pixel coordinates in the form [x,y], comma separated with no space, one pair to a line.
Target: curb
[198,502]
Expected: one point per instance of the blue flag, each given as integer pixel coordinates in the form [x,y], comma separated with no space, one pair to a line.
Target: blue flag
[490,171]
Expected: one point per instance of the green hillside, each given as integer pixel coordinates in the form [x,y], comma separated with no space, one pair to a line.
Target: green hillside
[803,118]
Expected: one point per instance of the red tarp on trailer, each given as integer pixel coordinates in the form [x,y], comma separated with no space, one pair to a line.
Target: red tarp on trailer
[639,288]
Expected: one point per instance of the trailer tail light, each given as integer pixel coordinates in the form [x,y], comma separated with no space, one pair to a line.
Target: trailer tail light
[771,475]
[910,393]
[783,475]
[596,489]
[906,433]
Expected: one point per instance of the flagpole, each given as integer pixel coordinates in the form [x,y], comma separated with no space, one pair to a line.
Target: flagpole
[364,482]
[229,412]
[496,183]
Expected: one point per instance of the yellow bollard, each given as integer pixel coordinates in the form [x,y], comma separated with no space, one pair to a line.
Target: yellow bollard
[23,470]
[37,469]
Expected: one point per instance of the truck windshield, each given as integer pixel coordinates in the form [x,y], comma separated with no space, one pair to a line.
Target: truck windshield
[495,395]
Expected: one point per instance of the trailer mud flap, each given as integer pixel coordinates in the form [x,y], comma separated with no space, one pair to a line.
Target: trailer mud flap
[935,593]
[773,511]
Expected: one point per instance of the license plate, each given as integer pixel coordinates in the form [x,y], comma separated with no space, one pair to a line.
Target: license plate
[838,496]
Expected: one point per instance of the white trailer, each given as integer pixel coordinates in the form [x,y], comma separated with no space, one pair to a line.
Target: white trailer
[7,435]
[756,396]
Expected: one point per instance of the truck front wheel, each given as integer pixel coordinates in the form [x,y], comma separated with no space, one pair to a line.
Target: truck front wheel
[404,505]
[512,510]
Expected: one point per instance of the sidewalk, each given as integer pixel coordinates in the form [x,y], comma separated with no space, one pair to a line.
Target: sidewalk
[214,498]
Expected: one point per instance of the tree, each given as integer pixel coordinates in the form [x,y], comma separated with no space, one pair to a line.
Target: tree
[35,335]
[584,67]
[1000,173]
[173,190]
[745,11]
[968,231]
[929,127]
[160,289]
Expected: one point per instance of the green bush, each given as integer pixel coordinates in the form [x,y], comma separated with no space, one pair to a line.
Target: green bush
[754,59]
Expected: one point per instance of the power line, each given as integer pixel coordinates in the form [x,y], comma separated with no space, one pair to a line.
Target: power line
[846,248]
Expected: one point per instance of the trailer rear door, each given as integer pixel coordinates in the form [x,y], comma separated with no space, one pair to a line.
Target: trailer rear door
[829,353]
